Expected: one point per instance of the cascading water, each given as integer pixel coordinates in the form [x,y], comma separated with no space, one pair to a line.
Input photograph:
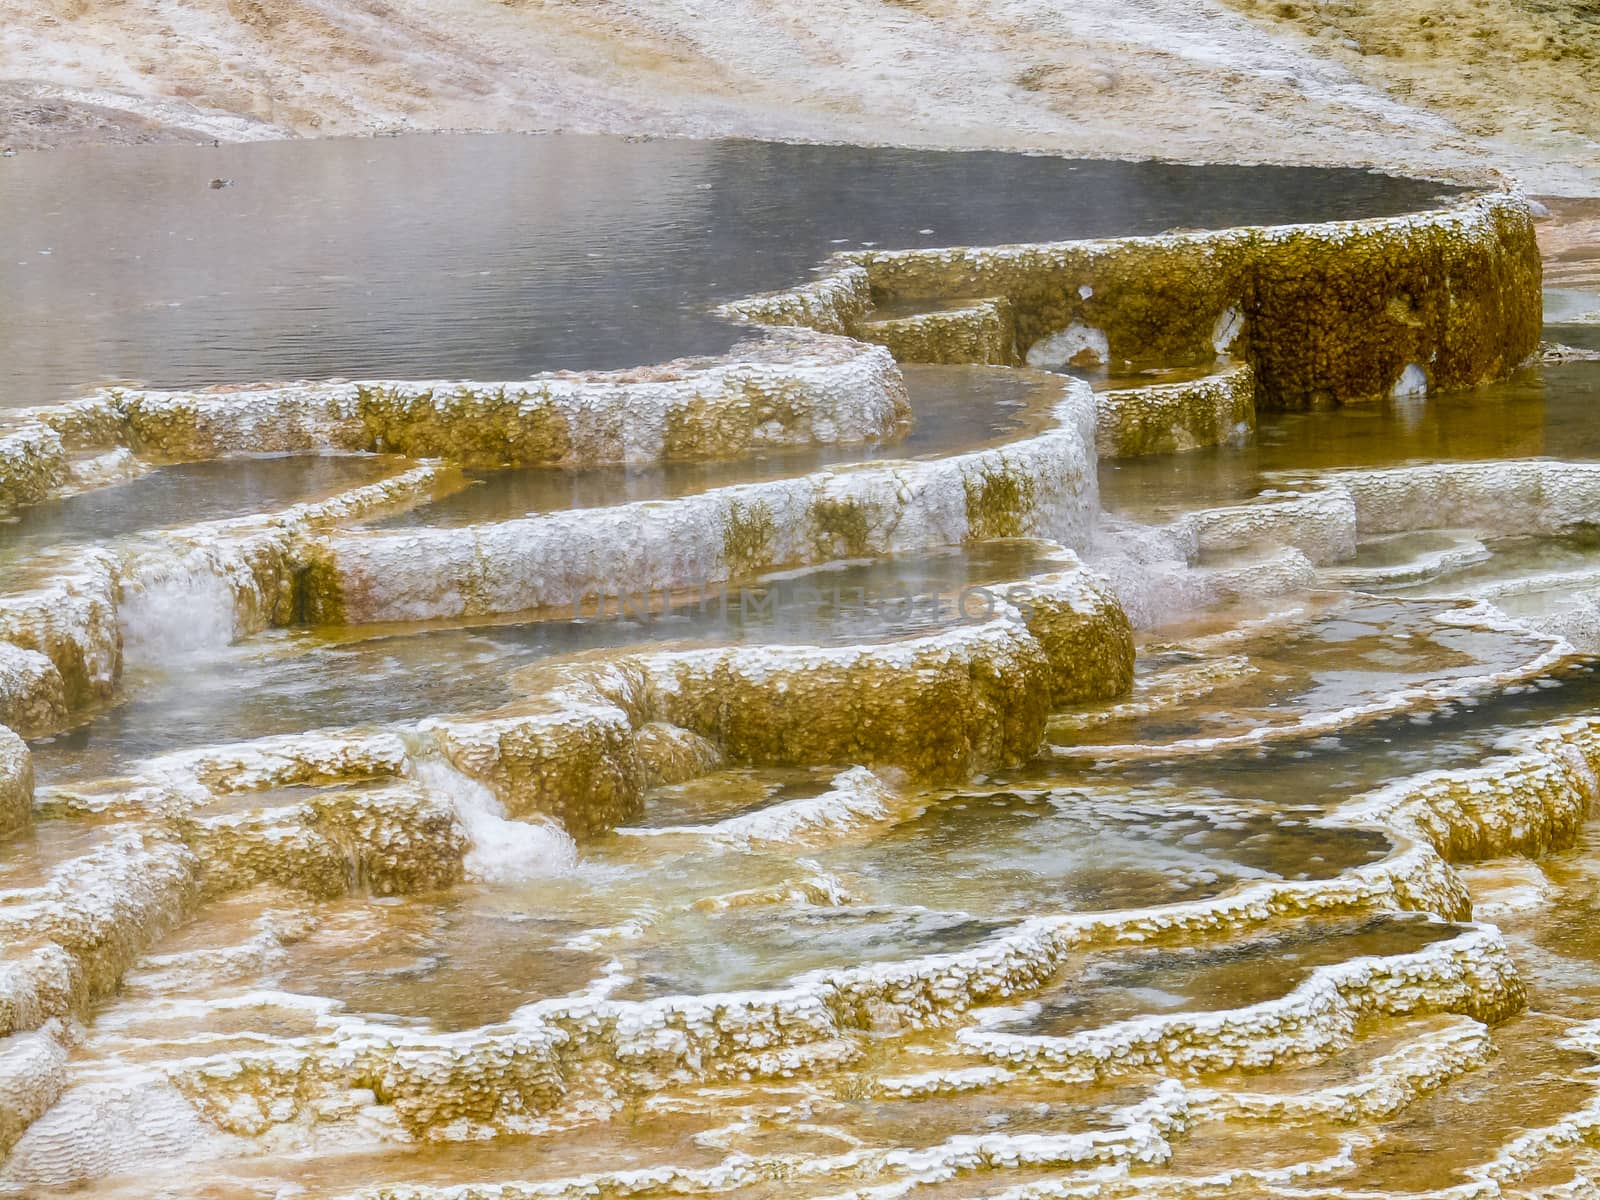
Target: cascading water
[726,777]
[183,612]
[502,850]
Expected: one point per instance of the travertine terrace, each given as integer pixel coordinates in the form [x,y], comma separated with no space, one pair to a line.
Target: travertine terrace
[1155,819]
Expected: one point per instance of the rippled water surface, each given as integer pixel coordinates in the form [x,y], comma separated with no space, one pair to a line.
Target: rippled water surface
[1198,944]
[493,257]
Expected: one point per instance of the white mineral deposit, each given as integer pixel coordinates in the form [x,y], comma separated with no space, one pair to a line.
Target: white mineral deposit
[892,601]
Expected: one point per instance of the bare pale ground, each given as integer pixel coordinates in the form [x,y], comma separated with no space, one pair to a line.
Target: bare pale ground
[1570,240]
[1182,79]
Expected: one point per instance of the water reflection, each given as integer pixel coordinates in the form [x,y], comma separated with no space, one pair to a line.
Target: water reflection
[1538,412]
[496,256]
[187,493]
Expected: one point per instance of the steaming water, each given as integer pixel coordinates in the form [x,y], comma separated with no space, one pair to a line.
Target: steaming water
[1258,714]
[492,257]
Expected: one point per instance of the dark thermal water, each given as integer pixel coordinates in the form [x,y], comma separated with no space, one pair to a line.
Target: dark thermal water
[496,256]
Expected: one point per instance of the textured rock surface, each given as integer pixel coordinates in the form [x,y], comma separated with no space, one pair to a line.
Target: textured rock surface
[981,331]
[1325,314]
[68,614]
[32,1077]
[793,388]
[16,782]
[972,698]
[33,464]
[1042,486]
[390,840]
[1170,418]
[68,941]
[32,694]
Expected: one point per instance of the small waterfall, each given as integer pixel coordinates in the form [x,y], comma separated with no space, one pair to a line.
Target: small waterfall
[1148,567]
[503,850]
[183,610]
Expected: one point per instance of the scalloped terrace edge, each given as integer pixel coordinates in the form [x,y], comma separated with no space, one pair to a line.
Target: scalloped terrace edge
[1365,306]
[789,388]
[1355,302]
[1532,799]
[1336,312]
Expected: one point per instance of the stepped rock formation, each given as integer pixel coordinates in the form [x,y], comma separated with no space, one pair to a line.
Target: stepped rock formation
[1147,841]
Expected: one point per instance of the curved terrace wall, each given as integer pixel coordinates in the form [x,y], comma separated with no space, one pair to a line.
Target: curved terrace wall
[1331,313]
[1318,314]
[791,388]
[1042,486]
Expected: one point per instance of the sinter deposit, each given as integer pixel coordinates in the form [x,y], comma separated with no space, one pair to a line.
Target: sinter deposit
[1015,710]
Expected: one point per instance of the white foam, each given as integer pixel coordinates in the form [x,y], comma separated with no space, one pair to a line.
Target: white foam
[184,612]
[503,850]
